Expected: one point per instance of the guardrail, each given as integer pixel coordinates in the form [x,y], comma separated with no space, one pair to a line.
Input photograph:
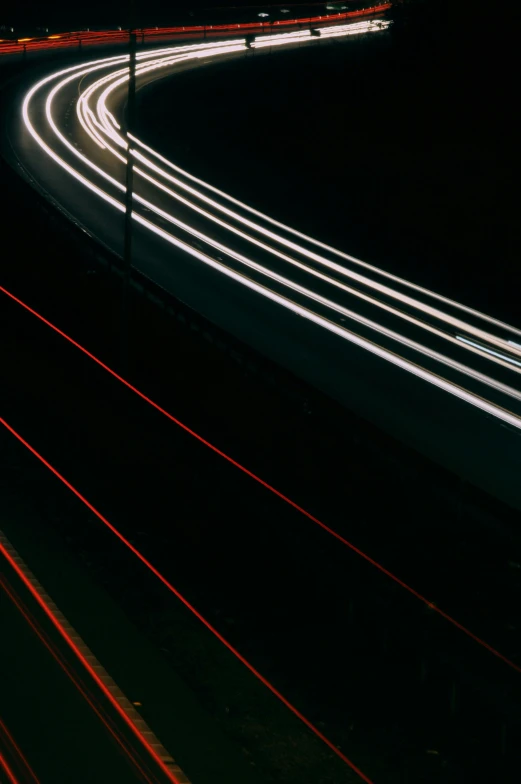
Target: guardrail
[87,38]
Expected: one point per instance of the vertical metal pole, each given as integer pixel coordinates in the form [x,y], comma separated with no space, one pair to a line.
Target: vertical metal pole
[127,247]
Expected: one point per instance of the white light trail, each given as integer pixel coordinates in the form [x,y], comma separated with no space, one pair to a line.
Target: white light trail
[490,351]
[454,323]
[103,128]
[103,112]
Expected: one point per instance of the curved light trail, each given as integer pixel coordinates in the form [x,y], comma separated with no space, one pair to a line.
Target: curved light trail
[467,354]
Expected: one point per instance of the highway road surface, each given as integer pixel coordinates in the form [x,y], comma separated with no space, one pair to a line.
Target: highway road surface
[435,373]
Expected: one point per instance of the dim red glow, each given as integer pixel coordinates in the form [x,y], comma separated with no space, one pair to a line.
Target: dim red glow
[7,770]
[9,740]
[150,34]
[72,645]
[77,683]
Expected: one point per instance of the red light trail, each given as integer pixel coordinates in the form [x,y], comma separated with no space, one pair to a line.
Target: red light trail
[7,770]
[108,724]
[8,740]
[182,599]
[83,661]
[107,37]
[246,471]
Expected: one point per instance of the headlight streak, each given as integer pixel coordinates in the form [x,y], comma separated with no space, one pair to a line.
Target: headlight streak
[279,40]
[324,246]
[489,351]
[455,323]
[370,27]
[104,126]
[476,348]
[301,290]
[505,389]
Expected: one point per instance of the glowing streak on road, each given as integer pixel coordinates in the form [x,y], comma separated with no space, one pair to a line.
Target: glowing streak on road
[456,324]
[280,40]
[489,351]
[239,466]
[171,588]
[104,127]
[7,740]
[329,248]
[504,360]
[290,284]
[102,111]
[7,770]
[50,612]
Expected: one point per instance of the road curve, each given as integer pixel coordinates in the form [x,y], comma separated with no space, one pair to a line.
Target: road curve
[408,358]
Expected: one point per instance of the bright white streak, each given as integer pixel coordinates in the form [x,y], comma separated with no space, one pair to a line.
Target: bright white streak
[393,335]
[324,246]
[456,323]
[156,63]
[259,268]
[102,110]
[416,370]
[282,36]
[489,351]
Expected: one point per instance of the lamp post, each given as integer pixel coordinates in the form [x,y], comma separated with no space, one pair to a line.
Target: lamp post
[127,237]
